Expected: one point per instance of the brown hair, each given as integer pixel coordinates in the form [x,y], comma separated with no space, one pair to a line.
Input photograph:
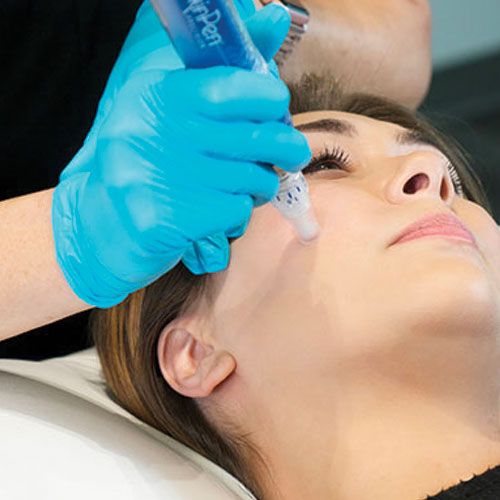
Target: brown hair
[126,335]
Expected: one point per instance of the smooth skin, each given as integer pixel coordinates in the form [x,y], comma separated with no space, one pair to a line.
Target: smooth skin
[387,385]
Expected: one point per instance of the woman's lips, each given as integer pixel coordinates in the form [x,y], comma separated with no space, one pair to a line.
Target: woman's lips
[440,224]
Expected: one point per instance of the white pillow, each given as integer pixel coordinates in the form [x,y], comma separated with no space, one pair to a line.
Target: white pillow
[62,437]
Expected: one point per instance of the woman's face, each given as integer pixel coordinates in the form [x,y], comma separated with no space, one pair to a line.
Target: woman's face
[354,297]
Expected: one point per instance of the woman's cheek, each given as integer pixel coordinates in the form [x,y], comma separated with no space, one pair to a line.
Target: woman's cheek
[333,203]
[485,230]
[268,228]
[269,235]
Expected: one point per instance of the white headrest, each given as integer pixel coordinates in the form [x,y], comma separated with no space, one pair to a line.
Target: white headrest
[62,437]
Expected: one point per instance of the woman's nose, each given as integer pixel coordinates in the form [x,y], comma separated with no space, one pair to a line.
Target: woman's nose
[421,174]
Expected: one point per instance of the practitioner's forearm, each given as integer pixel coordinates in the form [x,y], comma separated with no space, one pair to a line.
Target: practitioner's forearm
[33,291]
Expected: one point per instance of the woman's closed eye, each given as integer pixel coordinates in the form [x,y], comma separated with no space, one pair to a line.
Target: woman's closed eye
[328,159]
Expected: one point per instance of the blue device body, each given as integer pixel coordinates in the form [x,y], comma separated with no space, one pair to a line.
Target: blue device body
[209,33]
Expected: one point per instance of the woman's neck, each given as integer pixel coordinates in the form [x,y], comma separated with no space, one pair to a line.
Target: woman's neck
[402,425]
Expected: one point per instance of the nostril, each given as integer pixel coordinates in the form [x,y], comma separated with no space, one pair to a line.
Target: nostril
[416,183]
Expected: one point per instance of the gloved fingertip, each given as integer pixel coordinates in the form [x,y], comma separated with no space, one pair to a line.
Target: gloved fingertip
[209,255]
[217,266]
[304,158]
[193,266]
[278,14]
[268,28]
[259,200]
[304,164]
[237,231]
[216,259]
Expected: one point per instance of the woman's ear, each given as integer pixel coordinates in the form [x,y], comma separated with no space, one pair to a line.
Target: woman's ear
[189,366]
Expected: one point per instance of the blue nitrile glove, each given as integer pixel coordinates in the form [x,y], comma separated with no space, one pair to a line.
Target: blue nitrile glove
[148,47]
[176,158]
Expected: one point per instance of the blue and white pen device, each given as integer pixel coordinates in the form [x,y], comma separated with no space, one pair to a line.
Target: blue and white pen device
[209,33]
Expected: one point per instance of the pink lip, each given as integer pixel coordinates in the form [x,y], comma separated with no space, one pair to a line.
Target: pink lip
[439,224]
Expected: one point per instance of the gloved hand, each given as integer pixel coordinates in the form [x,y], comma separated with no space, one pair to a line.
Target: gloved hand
[175,158]
[148,47]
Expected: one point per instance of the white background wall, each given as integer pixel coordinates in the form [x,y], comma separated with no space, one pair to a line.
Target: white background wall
[464,29]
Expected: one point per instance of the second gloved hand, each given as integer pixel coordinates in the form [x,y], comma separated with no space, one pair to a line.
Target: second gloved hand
[180,157]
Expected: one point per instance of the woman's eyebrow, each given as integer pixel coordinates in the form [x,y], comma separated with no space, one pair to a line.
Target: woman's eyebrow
[343,127]
[411,137]
[329,125]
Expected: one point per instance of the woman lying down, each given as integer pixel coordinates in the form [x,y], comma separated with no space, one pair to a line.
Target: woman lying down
[362,367]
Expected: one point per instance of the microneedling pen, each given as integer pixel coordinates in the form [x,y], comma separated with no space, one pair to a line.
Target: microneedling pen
[209,33]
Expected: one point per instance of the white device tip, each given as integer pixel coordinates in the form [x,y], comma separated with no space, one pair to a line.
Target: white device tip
[306,226]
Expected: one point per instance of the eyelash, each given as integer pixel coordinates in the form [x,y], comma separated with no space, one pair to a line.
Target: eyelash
[339,158]
[326,159]
[455,178]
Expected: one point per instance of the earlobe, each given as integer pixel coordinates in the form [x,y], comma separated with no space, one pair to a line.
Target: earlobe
[189,366]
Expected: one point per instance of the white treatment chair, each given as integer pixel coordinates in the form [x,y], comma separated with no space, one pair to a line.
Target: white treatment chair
[62,437]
